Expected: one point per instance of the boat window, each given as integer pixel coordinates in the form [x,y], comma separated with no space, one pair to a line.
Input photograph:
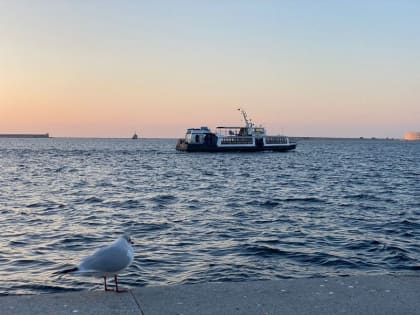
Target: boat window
[237,140]
[275,140]
[197,138]
[259,131]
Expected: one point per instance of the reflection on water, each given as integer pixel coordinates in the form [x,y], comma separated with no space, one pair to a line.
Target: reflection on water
[329,208]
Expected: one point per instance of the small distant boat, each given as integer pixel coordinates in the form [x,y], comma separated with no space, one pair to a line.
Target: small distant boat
[135,136]
[248,138]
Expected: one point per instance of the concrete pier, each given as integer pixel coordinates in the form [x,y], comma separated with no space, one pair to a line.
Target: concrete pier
[342,295]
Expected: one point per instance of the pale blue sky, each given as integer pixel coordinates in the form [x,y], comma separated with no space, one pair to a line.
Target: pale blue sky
[106,68]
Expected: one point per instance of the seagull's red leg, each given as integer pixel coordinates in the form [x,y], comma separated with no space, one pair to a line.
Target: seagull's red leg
[106,288]
[116,285]
[116,282]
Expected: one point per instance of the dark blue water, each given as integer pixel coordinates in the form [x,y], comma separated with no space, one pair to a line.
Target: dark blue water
[329,208]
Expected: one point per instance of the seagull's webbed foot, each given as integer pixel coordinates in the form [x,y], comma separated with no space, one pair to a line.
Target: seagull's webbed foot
[116,286]
[106,287]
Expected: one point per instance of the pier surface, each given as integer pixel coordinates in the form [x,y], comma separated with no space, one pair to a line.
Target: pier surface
[341,295]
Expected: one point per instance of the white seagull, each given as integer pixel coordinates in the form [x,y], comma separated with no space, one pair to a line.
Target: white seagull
[107,261]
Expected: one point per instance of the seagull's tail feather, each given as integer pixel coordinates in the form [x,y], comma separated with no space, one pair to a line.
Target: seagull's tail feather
[63,272]
[70,270]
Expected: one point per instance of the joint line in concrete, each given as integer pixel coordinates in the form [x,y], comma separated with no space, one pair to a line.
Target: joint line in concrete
[137,302]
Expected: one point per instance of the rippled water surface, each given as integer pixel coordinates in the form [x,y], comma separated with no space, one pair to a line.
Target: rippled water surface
[329,208]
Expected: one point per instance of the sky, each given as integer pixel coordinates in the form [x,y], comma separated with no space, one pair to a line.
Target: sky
[98,68]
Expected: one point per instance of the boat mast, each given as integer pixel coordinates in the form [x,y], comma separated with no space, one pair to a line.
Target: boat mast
[248,123]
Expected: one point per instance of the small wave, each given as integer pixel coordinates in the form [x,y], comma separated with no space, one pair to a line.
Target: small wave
[270,241]
[170,174]
[411,224]
[233,205]
[80,184]
[60,169]
[263,204]
[269,204]
[359,245]
[415,268]
[105,184]
[305,199]
[405,225]
[208,173]
[74,240]
[363,196]
[30,288]
[336,262]
[147,167]
[93,200]
[48,205]
[17,243]
[265,251]
[125,204]
[25,262]
[164,199]
[240,214]
[399,259]
[148,227]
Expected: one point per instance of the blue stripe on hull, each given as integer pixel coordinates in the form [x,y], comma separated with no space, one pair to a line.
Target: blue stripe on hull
[214,148]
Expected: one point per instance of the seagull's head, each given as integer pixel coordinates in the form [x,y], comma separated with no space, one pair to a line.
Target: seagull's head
[127,237]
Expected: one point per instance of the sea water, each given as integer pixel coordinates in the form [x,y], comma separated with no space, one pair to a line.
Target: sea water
[329,208]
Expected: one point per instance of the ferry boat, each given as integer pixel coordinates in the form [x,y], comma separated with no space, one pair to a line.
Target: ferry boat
[248,138]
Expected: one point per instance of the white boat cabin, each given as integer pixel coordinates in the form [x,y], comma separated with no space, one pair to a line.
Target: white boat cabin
[198,135]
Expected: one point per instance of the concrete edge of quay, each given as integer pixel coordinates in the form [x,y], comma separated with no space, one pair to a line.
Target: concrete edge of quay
[370,294]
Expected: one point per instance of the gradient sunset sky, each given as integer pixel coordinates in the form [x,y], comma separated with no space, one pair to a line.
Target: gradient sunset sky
[85,68]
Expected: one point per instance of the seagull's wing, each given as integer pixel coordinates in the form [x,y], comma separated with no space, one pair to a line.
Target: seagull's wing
[107,260]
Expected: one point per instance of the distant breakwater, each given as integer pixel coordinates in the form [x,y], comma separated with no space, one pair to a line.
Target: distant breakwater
[25,135]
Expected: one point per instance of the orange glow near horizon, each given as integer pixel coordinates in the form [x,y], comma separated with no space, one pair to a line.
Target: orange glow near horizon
[107,70]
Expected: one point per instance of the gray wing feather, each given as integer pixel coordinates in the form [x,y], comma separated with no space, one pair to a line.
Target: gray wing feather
[107,259]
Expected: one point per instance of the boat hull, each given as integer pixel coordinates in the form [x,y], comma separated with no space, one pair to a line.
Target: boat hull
[189,147]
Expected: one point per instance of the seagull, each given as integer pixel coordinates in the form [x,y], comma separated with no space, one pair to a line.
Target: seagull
[107,261]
